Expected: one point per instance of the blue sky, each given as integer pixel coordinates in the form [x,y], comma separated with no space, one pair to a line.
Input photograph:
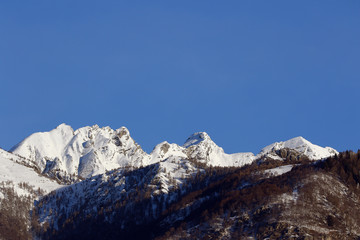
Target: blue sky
[247,72]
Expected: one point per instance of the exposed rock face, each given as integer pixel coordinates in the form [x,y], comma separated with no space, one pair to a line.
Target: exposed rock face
[285,154]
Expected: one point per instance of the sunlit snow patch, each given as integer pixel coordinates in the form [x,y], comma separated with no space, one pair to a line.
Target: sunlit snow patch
[279,170]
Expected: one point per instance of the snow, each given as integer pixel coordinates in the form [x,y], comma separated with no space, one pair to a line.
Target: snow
[44,144]
[165,150]
[17,173]
[279,170]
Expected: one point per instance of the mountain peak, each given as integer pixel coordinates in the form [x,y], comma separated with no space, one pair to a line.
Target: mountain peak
[298,140]
[123,131]
[196,138]
[64,128]
[300,144]
[164,150]
[63,125]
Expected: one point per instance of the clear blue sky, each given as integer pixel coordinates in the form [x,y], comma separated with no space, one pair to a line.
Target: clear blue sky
[247,72]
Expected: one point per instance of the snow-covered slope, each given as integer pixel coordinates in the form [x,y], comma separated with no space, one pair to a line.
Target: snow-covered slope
[156,183]
[300,144]
[11,170]
[279,170]
[41,147]
[199,146]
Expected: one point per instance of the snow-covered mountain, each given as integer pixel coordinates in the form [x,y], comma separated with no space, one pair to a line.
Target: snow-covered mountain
[85,152]
[129,191]
[88,151]
[67,155]
[300,144]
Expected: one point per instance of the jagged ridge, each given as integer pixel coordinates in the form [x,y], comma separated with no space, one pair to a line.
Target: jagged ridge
[66,154]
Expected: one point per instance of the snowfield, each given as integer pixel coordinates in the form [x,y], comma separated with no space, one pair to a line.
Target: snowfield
[279,170]
[17,173]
